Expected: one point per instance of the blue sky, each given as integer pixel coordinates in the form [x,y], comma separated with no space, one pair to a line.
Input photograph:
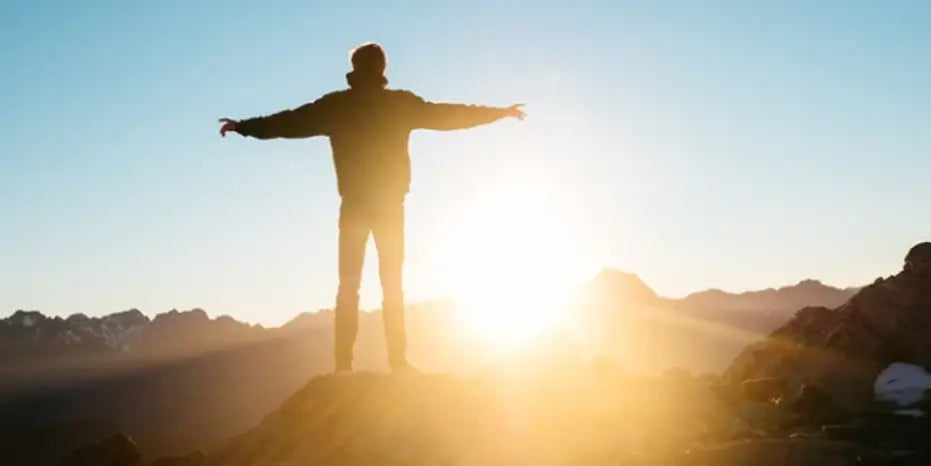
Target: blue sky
[736,145]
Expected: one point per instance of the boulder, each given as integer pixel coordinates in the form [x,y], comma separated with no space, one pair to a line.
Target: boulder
[903,384]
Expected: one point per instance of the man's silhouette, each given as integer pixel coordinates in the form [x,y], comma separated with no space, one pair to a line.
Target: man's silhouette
[369,126]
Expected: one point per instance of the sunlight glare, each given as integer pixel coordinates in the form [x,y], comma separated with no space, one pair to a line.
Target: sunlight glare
[511,267]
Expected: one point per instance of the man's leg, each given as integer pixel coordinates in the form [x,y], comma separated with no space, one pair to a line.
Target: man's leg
[388,229]
[354,229]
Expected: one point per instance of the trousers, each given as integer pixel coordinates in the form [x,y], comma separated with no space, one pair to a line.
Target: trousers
[384,219]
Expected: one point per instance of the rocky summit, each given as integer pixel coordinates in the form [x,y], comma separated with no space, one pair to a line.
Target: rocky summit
[918,260]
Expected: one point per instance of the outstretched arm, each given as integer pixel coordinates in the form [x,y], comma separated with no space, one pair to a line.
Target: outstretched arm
[443,116]
[302,122]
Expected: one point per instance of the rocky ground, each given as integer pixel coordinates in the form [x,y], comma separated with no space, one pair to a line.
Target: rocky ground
[554,416]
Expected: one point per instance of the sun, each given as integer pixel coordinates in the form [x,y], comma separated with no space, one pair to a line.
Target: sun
[511,266]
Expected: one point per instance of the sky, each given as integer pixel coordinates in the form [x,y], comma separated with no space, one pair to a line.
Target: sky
[734,145]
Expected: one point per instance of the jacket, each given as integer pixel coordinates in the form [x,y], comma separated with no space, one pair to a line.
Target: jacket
[368,128]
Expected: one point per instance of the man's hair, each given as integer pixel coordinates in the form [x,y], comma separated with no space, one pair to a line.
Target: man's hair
[368,58]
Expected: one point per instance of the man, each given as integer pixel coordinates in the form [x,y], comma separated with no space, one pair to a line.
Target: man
[369,126]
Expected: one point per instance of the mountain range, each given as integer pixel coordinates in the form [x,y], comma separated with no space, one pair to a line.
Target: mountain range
[814,391]
[170,380]
[28,335]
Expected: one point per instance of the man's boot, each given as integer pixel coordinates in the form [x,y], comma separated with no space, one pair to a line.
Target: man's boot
[395,337]
[346,324]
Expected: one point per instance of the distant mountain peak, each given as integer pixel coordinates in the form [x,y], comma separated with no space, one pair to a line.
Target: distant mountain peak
[610,291]
[614,283]
[32,333]
[790,297]
[131,317]
[196,315]
[77,317]
[23,318]
[810,282]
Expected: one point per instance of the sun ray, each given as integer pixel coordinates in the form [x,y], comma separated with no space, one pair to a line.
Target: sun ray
[511,267]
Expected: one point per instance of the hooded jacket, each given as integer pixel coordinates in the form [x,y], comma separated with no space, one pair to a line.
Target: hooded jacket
[369,128]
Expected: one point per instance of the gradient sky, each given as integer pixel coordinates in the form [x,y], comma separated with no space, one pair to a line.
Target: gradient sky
[737,145]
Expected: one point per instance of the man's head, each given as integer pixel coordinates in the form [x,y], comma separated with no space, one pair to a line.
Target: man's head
[368,66]
[368,58]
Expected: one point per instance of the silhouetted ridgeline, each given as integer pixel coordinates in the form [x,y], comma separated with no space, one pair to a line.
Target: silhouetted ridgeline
[170,381]
[30,341]
[844,349]
[800,397]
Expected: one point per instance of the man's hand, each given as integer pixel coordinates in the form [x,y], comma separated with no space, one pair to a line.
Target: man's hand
[228,125]
[515,111]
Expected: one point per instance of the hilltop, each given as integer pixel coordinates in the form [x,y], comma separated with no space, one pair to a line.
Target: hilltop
[535,415]
[168,380]
[803,395]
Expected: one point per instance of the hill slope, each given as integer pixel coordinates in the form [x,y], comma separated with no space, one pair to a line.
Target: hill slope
[560,418]
[844,349]
[552,416]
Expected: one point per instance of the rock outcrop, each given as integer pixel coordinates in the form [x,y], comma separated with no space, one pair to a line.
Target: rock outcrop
[918,259]
[592,417]
[843,350]
[29,336]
